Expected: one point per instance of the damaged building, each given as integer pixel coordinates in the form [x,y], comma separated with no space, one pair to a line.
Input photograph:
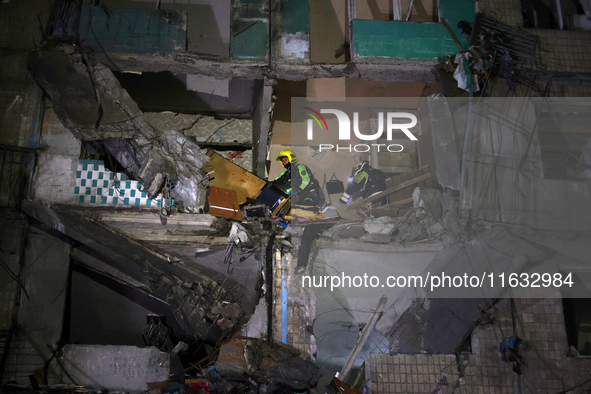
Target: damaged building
[145,246]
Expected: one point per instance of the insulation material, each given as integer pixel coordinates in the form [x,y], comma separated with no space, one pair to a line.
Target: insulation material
[188,163]
[53,180]
[295,45]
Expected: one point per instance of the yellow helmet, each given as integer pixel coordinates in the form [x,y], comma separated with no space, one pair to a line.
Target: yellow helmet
[289,154]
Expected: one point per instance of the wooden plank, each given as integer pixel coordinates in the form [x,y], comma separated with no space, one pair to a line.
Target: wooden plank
[363,338]
[224,203]
[303,213]
[230,176]
[451,33]
[389,191]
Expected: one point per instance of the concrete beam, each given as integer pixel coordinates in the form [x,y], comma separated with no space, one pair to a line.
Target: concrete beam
[261,125]
[373,69]
[182,63]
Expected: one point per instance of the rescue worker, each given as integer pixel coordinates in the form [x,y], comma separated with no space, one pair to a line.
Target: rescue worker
[301,184]
[367,181]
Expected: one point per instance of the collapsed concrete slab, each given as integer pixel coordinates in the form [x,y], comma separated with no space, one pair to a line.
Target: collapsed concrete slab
[195,295]
[114,368]
[90,102]
[439,321]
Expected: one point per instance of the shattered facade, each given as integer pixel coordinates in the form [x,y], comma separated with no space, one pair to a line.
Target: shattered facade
[144,246]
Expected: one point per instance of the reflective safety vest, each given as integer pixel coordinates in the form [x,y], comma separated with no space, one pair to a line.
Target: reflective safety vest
[301,180]
[366,183]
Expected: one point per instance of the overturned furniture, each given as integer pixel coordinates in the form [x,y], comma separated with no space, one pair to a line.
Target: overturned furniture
[231,188]
[250,358]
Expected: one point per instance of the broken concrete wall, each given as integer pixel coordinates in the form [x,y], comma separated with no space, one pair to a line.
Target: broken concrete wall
[204,129]
[439,323]
[341,313]
[102,109]
[192,292]
[114,368]
[295,30]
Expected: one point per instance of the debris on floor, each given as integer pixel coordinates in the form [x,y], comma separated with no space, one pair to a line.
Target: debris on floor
[250,358]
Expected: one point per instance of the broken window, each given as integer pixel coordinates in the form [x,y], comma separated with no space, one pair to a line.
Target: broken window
[577,318]
[556,14]
[189,94]
[405,10]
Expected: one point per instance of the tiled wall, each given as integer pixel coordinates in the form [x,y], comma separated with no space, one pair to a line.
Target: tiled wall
[547,369]
[300,307]
[19,26]
[97,185]
[506,11]
[563,50]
